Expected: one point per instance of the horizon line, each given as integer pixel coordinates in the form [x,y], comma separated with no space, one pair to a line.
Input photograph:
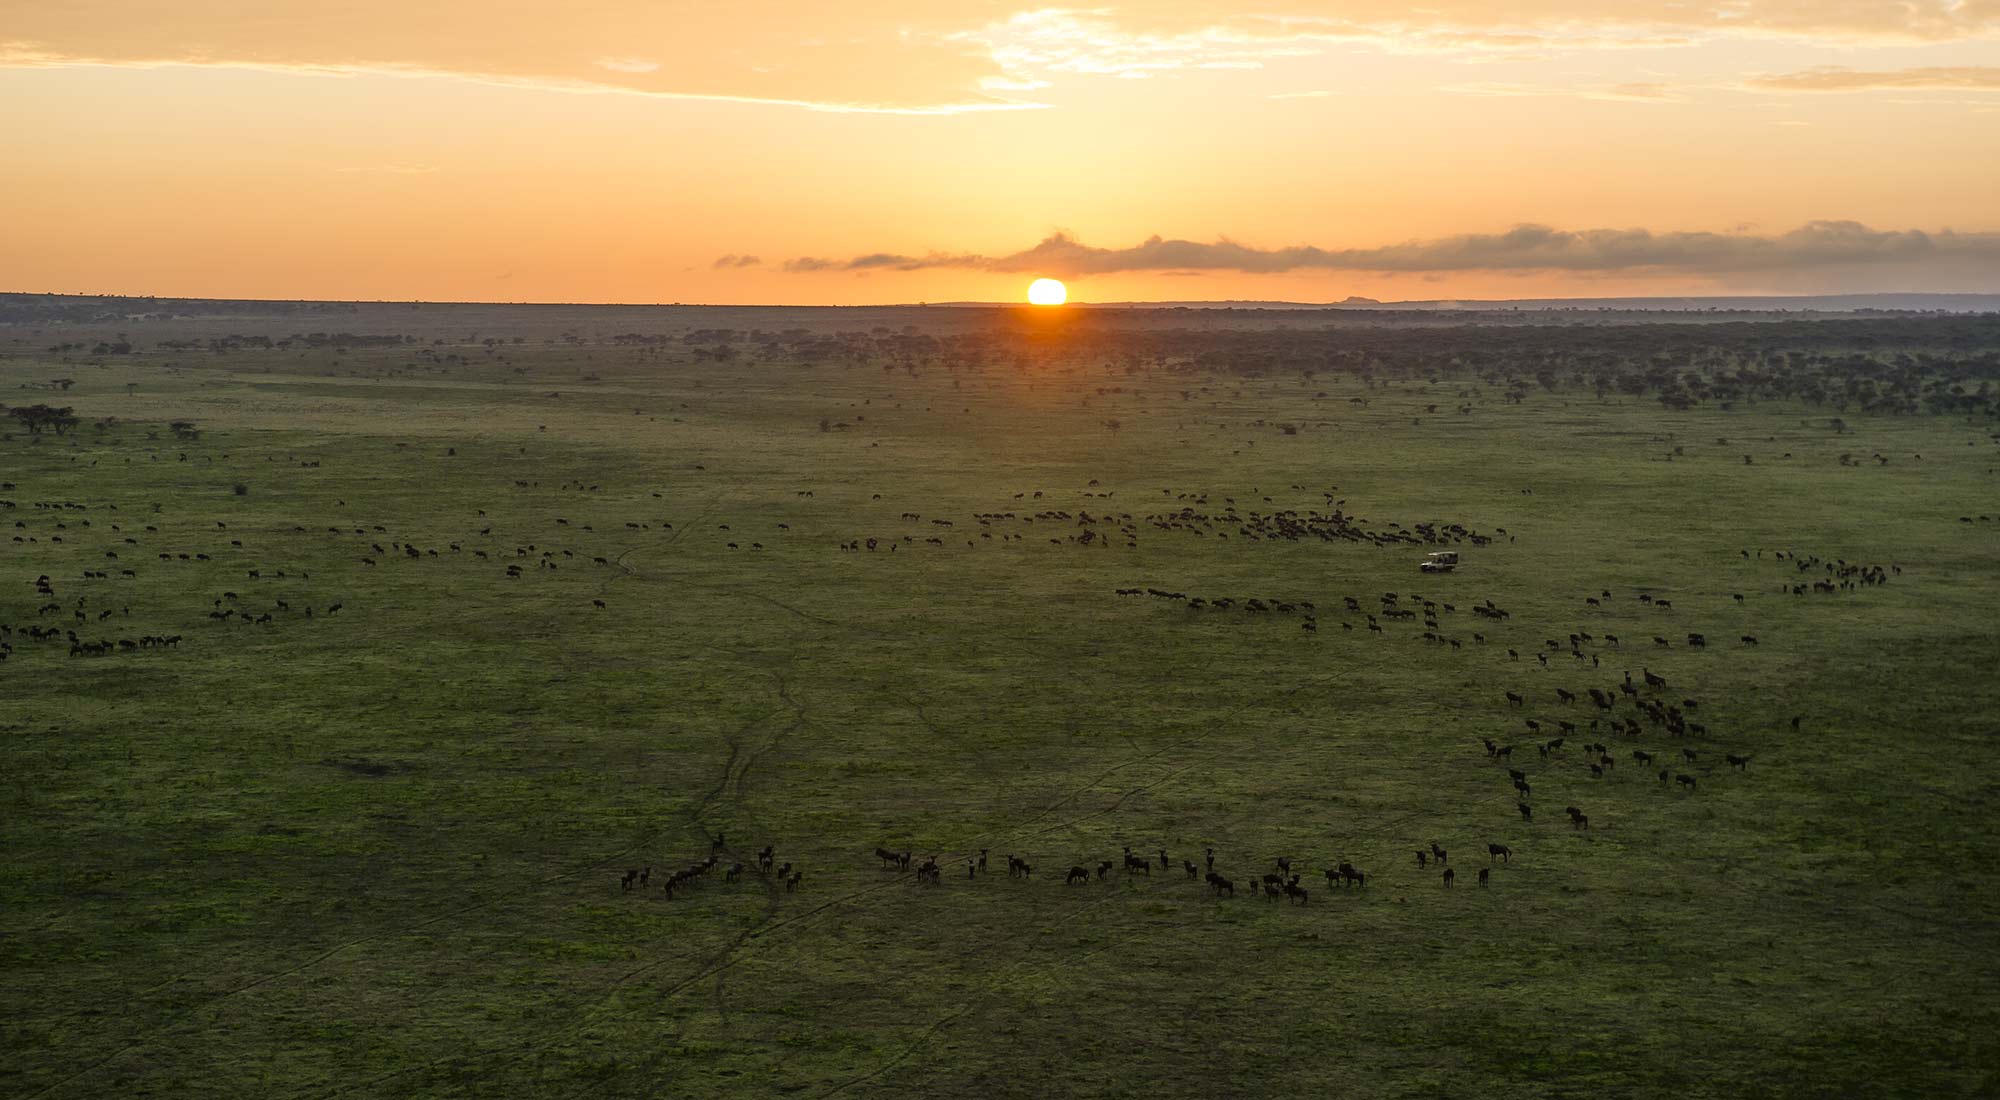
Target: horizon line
[1353,303]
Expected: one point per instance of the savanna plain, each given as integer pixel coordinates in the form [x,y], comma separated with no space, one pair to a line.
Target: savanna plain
[360,661]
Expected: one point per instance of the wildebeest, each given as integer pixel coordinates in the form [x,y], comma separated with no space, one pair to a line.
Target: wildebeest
[1500,851]
[1449,875]
[1076,874]
[1221,885]
[1527,812]
[1685,781]
[1742,763]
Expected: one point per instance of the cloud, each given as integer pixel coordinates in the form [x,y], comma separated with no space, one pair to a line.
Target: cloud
[735,261]
[628,64]
[392,169]
[1631,92]
[940,58]
[1524,248]
[1984,78]
[1635,92]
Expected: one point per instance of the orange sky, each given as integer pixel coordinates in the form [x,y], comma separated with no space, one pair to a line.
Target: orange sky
[620,150]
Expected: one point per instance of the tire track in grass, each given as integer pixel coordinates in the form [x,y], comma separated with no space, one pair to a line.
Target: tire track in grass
[218,999]
[713,964]
[719,961]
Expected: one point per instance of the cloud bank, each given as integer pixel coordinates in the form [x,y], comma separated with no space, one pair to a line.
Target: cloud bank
[1525,248]
[943,57]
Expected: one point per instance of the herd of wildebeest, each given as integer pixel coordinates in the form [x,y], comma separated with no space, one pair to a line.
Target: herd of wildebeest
[1641,713]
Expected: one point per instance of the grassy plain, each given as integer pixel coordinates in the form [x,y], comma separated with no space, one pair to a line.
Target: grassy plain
[377,853]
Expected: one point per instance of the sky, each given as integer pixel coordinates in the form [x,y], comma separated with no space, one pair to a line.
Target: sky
[767,151]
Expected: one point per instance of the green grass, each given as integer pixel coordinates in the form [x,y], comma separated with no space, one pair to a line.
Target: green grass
[377,853]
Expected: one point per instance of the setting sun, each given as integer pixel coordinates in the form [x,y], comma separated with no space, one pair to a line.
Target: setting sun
[1047,292]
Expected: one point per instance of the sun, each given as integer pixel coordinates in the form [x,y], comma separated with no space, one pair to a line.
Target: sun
[1047,292]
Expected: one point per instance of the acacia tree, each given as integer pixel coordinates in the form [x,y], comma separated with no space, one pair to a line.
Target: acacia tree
[37,417]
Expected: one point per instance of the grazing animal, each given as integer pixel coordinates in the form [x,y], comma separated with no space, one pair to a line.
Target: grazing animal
[1076,875]
[1685,781]
[1423,859]
[1221,885]
[1449,875]
[1742,763]
[1527,812]
[1437,852]
[1500,852]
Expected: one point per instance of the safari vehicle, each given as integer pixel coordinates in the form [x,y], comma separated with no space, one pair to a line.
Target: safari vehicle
[1444,561]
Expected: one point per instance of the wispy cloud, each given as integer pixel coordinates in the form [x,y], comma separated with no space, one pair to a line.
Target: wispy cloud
[392,169]
[14,55]
[1962,78]
[735,261]
[1523,248]
[1629,92]
[950,56]
[628,65]
[1636,92]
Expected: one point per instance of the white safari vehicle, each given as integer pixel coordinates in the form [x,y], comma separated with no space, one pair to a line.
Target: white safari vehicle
[1444,561]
